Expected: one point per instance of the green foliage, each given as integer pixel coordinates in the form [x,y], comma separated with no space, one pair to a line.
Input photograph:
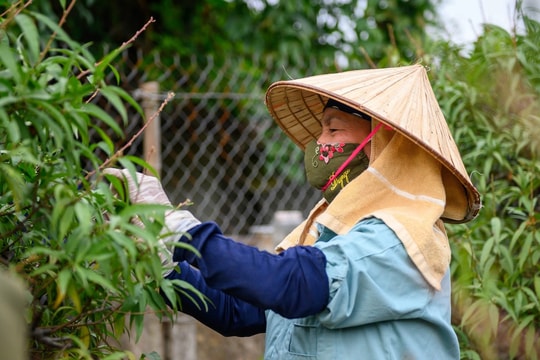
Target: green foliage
[390,31]
[289,31]
[491,99]
[63,227]
[303,37]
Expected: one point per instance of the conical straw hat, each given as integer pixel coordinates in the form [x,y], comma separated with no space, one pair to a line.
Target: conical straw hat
[400,97]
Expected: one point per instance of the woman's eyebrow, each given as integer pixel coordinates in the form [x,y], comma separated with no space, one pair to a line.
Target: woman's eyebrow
[328,119]
[333,120]
[325,120]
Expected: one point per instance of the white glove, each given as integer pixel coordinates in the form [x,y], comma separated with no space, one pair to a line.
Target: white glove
[146,189]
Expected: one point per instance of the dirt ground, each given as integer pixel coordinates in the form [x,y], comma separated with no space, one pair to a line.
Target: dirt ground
[213,346]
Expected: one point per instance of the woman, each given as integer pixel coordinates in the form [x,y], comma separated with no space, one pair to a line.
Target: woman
[366,275]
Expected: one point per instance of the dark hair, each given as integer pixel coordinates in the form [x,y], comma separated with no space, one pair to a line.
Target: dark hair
[345,108]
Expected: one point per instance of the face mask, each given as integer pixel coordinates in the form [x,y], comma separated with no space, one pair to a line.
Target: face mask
[322,161]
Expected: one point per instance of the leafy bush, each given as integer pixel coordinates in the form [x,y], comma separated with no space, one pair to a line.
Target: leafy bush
[491,98]
[63,228]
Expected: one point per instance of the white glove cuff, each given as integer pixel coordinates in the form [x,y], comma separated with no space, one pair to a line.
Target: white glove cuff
[177,222]
[180,221]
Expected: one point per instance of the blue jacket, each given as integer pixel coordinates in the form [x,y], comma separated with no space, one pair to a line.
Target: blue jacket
[353,296]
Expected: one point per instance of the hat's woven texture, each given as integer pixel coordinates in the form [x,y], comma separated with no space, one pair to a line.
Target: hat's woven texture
[401,98]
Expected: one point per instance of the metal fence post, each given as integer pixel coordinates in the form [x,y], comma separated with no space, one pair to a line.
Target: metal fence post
[172,340]
[152,134]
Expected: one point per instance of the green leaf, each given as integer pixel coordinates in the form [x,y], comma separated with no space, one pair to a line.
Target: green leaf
[119,324]
[62,213]
[507,262]
[64,277]
[127,98]
[188,291]
[83,214]
[94,110]
[120,356]
[106,61]
[128,161]
[151,356]
[155,300]
[516,237]
[138,319]
[55,28]
[12,130]
[525,250]
[56,116]
[486,253]
[62,283]
[106,144]
[45,126]
[75,298]
[94,277]
[494,314]
[496,228]
[115,100]
[31,35]
[515,340]
[80,123]
[15,183]
[7,57]
[534,300]
[537,285]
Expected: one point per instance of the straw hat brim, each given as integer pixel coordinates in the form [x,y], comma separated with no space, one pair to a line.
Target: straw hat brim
[400,97]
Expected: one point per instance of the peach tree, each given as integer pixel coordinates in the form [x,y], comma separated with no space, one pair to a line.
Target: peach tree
[64,228]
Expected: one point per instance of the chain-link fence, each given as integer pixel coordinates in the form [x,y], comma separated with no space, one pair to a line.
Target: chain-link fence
[219,147]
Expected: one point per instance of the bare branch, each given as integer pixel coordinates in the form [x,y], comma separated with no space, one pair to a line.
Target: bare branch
[119,153]
[60,24]
[5,23]
[368,58]
[123,46]
[140,31]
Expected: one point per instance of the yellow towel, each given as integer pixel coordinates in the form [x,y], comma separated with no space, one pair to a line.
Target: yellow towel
[404,188]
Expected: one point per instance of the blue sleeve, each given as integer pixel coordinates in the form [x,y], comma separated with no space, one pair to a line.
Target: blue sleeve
[372,279]
[225,314]
[293,283]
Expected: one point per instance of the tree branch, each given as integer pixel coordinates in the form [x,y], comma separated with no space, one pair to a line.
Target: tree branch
[119,153]
[60,24]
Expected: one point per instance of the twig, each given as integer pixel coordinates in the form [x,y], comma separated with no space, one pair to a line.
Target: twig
[391,35]
[134,37]
[12,14]
[10,9]
[73,322]
[41,335]
[60,24]
[368,58]
[94,94]
[117,154]
[123,46]
[29,214]
[417,44]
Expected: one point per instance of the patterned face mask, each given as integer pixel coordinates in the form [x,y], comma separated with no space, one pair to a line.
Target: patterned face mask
[322,161]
